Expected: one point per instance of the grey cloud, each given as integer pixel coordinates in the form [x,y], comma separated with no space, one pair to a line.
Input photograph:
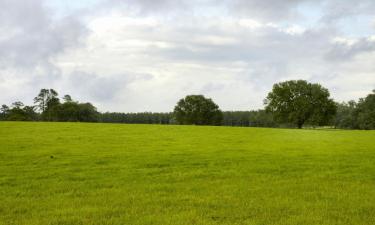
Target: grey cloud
[31,36]
[266,9]
[331,11]
[338,9]
[149,7]
[346,51]
[263,44]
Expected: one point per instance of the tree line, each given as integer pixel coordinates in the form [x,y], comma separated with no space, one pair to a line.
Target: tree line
[256,118]
[356,115]
[294,103]
[49,107]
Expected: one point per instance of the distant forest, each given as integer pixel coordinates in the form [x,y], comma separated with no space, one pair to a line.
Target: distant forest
[287,105]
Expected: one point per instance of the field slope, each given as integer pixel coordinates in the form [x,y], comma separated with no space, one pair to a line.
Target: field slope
[74,173]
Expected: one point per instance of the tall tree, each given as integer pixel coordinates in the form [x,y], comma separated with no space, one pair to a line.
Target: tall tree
[51,111]
[298,102]
[45,96]
[198,110]
[41,99]
[46,102]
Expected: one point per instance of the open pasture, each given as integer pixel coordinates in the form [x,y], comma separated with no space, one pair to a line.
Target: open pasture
[81,173]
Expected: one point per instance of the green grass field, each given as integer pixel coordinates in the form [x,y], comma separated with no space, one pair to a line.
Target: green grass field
[75,173]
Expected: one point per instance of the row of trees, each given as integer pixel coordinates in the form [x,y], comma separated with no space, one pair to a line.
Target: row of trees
[259,118]
[294,103]
[137,118]
[255,118]
[18,112]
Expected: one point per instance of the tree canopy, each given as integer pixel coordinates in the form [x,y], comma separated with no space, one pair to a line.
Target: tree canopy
[197,110]
[298,102]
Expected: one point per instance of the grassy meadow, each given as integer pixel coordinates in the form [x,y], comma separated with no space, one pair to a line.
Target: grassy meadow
[82,173]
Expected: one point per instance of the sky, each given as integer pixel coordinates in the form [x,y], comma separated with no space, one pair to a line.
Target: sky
[144,55]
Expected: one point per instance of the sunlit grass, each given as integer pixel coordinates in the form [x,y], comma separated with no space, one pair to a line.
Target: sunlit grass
[75,173]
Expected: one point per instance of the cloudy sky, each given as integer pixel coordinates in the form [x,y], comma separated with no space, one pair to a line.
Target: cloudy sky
[144,55]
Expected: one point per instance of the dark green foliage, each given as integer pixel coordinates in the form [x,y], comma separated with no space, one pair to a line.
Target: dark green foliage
[87,113]
[258,118]
[52,110]
[4,111]
[359,115]
[262,118]
[31,115]
[346,116]
[68,112]
[137,118]
[75,112]
[45,97]
[366,112]
[198,110]
[67,98]
[46,102]
[300,102]
[18,112]
[291,103]
[50,113]
[237,118]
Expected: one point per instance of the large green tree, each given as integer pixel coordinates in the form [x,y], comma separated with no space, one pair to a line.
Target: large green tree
[73,111]
[44,97]
[198,110]
[299,102]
